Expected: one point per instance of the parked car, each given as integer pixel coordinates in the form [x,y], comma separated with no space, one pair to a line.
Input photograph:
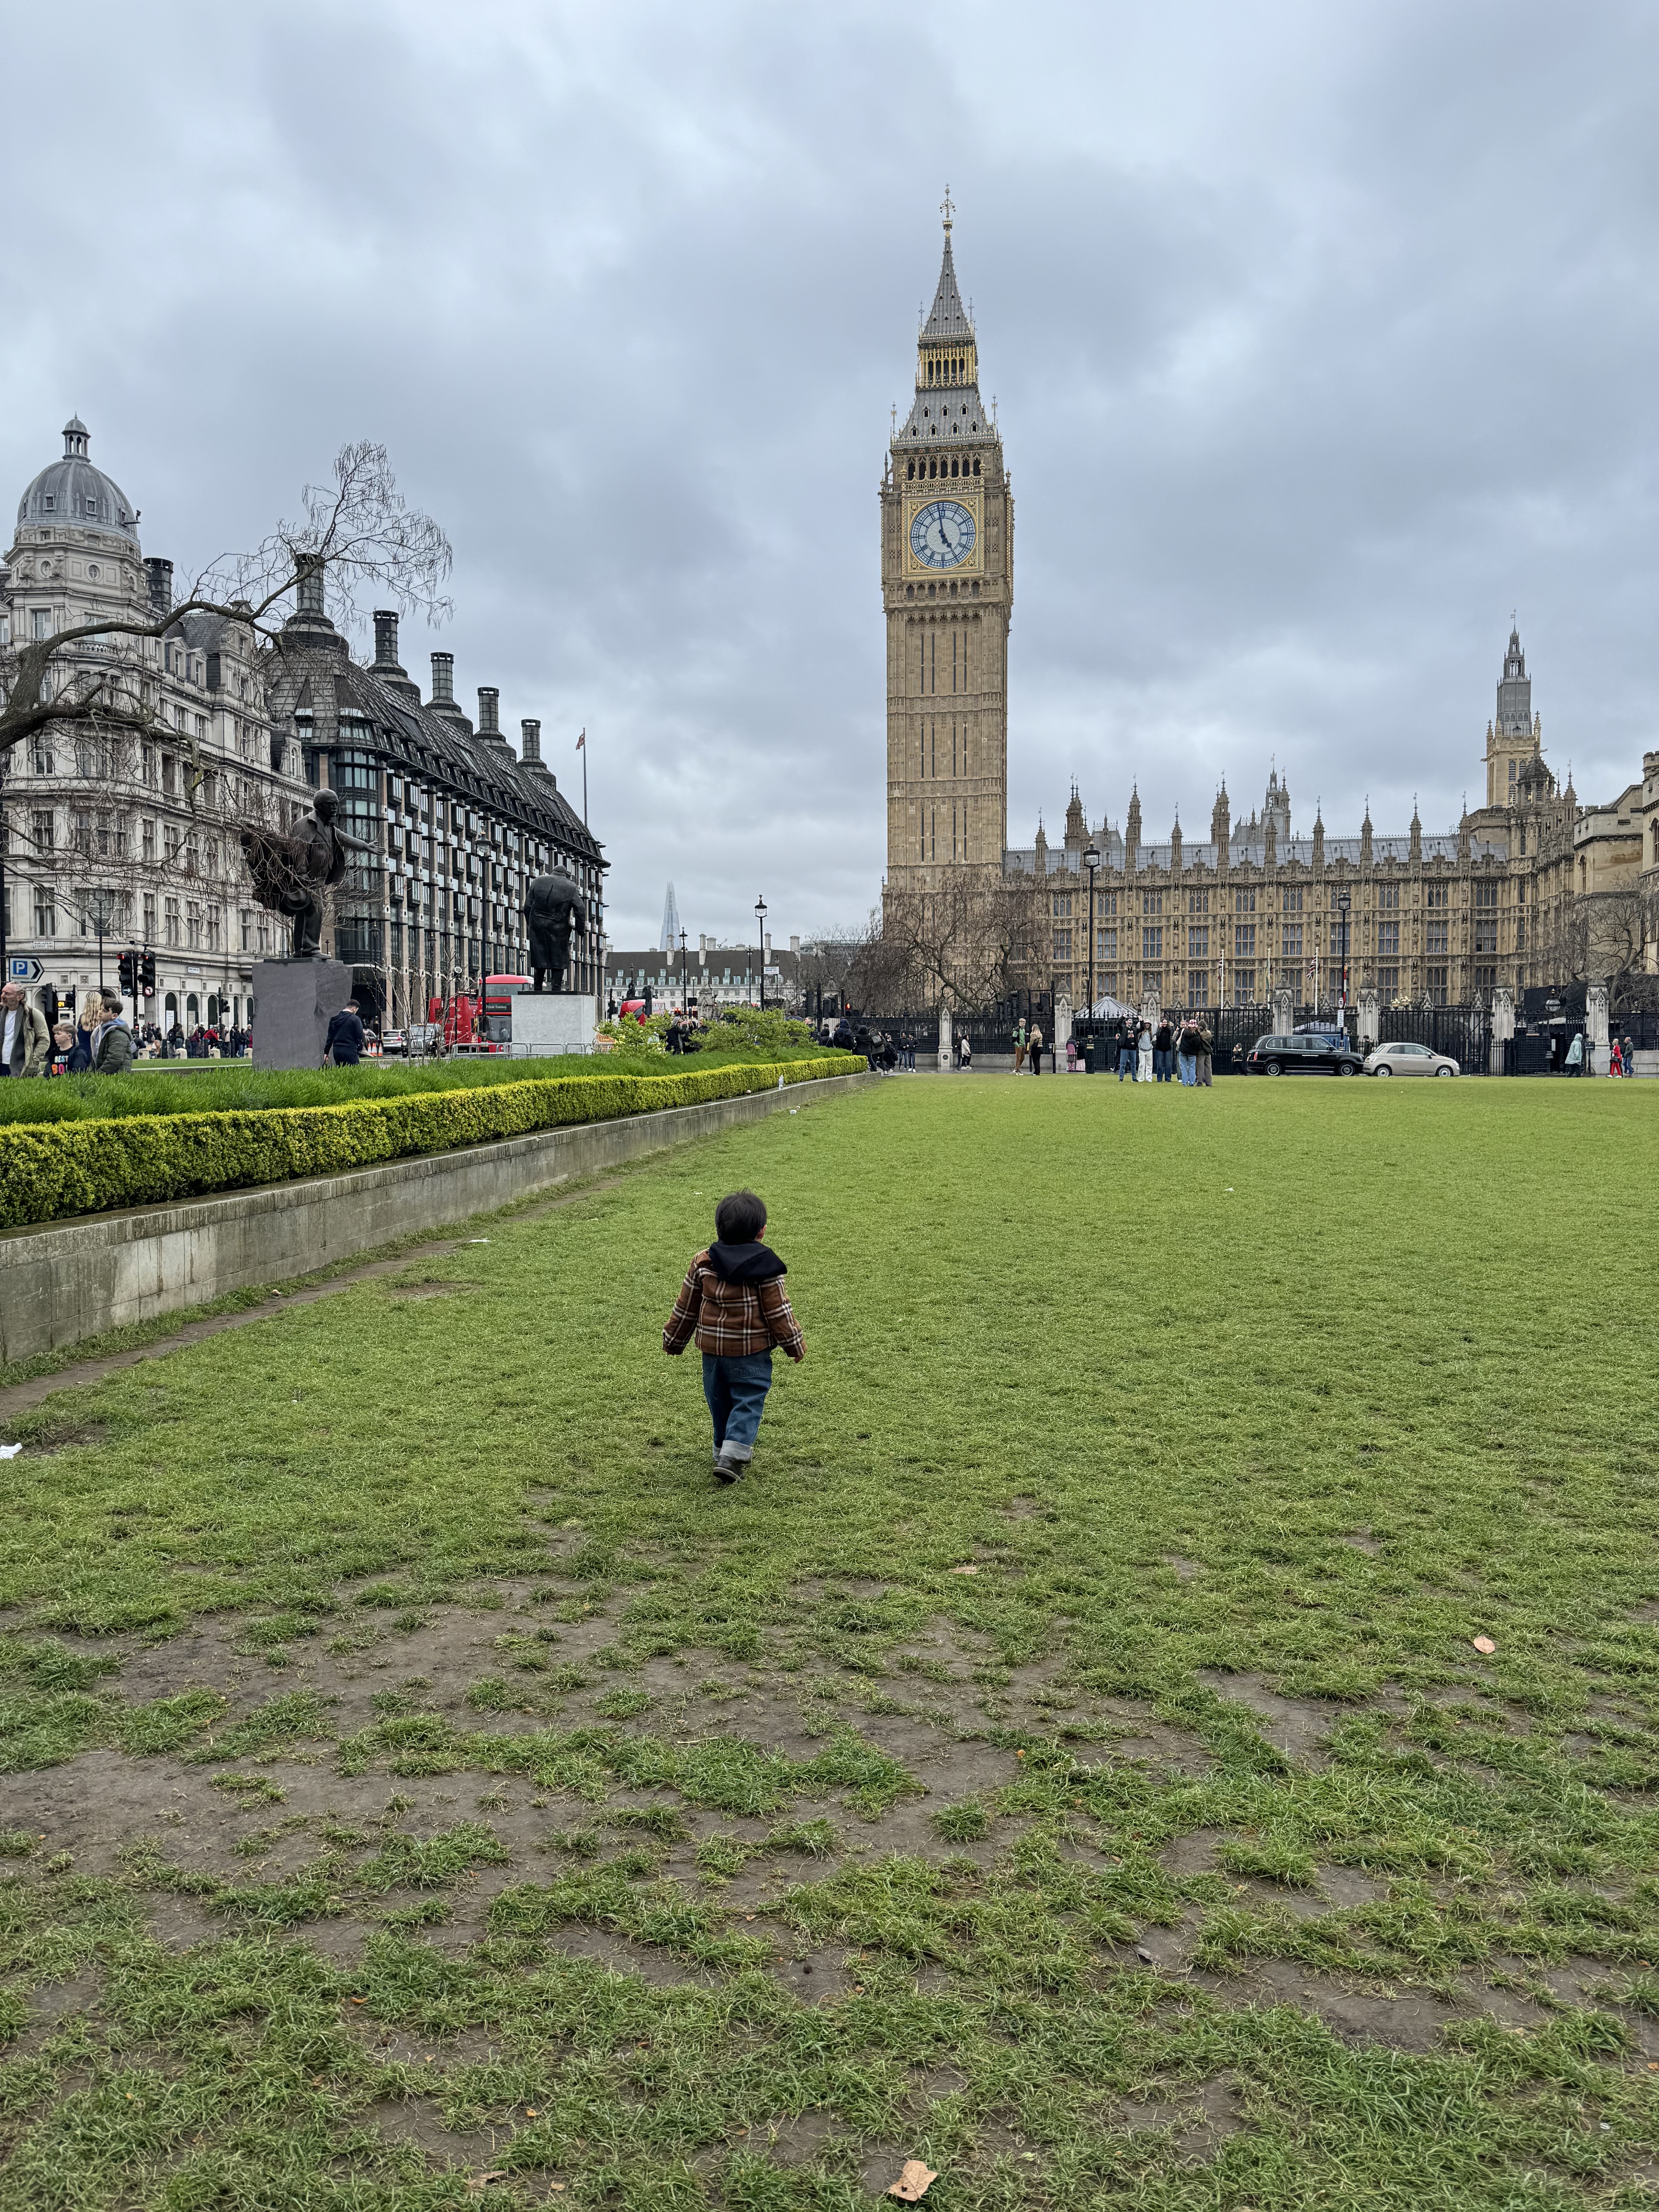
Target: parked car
[1304,1054]
[1401,1058]
[394,1042]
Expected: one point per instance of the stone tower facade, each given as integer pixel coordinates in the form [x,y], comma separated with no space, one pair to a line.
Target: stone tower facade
[947,573]
[1514,737]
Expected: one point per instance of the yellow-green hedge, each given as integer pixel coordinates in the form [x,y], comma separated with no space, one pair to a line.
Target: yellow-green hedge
[49,1169]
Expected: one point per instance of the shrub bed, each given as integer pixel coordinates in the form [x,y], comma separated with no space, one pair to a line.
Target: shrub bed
[49,1170]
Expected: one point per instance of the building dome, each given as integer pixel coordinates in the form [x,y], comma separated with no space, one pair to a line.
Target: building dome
[73,493]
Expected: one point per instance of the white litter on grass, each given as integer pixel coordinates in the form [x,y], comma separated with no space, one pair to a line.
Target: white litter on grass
[9,1451]
[780,1083]
[477,1240]
[794,1109]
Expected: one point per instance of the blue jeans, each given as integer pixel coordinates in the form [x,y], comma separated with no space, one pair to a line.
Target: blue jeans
[736,1390]
[1126,1062]
[1162,1070]
[1188,1065]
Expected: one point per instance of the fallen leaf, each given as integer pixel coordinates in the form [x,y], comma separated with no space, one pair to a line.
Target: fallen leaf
[1145,1956]
[913,2183]
[477,2181]
[1484,1643]
[964,1570]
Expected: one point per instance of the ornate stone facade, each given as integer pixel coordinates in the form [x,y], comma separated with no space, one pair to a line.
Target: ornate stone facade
[148,820]
[947,573]
[1252,910]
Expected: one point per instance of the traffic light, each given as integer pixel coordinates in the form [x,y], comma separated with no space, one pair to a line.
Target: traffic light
[127,968]
[146,973]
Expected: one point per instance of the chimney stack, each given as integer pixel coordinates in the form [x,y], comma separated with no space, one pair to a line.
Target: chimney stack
[530,751]
[489,707]
[309,586]
[158,576]
[385,641]
[443,678]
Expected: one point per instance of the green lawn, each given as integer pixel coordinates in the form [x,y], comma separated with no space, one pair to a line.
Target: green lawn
[1066,1761]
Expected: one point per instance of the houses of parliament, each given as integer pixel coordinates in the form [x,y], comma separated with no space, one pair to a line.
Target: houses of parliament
[1255,906]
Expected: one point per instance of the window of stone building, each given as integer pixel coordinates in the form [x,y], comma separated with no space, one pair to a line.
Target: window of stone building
[1435,938]
[169,774]
[1063,946]
[1198,902]
[1198,944]
[1388,937]
[1152,901]
[215,928]
[193,926]
[150,917]
[1485,894]
[1486,980]
[1244,940]
[1436,986]
[1198,987]
[40,830]
[1106,945]
[1388,898]
[1388,982]
[40,620]
[1244,901]
[46,761]
[1436,894]
[1244,985]
[1105,903]
[1152,941]
[1292,899]
[1062,906]
[45,911]
[1292,947]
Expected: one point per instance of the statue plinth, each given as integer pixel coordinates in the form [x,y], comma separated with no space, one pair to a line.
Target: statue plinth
[294,1001]
[548,1022]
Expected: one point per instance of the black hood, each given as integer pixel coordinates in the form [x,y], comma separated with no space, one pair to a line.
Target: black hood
[745,1263]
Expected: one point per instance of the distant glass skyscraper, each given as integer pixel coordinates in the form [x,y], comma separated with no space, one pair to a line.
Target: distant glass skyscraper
[670,923]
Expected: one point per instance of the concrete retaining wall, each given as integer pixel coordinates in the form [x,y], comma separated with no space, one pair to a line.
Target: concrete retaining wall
[66,1280]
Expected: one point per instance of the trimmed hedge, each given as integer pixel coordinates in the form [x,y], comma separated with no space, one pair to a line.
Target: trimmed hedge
[50,1169]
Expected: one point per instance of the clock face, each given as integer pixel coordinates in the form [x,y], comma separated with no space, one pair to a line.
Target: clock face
[942,534]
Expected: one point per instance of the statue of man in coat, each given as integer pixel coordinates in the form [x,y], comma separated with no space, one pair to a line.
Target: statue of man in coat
[553,907]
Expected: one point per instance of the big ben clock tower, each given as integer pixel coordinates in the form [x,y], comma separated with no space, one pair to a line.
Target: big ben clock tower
[947,575]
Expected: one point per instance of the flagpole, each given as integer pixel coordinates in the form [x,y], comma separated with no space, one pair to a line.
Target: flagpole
[581,747]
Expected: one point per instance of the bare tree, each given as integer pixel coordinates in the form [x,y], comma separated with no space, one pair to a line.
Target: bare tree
[963,945]
[94,676]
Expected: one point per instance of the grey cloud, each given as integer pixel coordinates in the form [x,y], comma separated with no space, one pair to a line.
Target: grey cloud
[1321,338]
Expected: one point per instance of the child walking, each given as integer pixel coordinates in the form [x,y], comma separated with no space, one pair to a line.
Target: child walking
[733,1302]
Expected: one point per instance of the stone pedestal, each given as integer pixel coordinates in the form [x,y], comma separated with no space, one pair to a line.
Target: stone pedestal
[1284,1013]
[1595,1013]
[1062,1035]
[1369,1026]
[549,1022]
[945,1040]
[294,1001]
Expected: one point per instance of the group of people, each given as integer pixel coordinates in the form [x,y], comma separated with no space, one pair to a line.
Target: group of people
[99,1043]
[1173,1051]
[1574,1059]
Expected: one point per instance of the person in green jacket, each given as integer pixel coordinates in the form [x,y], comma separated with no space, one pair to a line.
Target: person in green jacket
[111,1041]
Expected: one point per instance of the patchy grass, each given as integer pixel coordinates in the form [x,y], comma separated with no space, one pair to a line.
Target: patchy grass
[1182,1854]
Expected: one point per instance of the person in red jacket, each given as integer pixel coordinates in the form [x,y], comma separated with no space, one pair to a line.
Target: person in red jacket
[733,1302]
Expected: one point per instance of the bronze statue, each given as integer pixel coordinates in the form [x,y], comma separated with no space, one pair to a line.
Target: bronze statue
[553,906]
[291,873]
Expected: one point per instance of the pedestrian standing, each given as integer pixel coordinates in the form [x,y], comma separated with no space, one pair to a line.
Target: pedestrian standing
[1162,1053]
[1036,1048]
[1070,1055]
[1206,1050]
[1126,1050]
[112,1040]
[25,1039]
[1186,1054]
[1144,1054]
[344,1044]
[1576,1053]
[964,1053]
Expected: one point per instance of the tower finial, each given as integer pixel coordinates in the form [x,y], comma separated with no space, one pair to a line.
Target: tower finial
[947,209]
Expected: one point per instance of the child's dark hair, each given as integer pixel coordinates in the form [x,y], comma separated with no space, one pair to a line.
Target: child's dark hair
[739,1218]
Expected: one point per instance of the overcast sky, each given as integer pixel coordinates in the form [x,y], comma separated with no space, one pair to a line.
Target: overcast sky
[1322,337]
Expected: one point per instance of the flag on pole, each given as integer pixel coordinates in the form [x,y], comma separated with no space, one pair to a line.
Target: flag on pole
[582,741]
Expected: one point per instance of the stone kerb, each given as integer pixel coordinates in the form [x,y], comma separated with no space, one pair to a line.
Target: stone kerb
[63,1281]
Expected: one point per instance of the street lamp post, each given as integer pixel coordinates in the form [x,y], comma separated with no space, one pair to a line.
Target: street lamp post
[1091,862]
[685,996]
[1343,902]
[760,914]
[100,910]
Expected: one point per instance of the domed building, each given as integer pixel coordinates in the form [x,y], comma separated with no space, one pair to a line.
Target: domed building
[134,826]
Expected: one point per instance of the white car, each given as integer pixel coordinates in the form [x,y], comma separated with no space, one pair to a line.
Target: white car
[1401,1059]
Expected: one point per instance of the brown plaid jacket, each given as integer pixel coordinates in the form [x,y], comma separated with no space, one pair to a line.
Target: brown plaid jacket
[732,1320]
